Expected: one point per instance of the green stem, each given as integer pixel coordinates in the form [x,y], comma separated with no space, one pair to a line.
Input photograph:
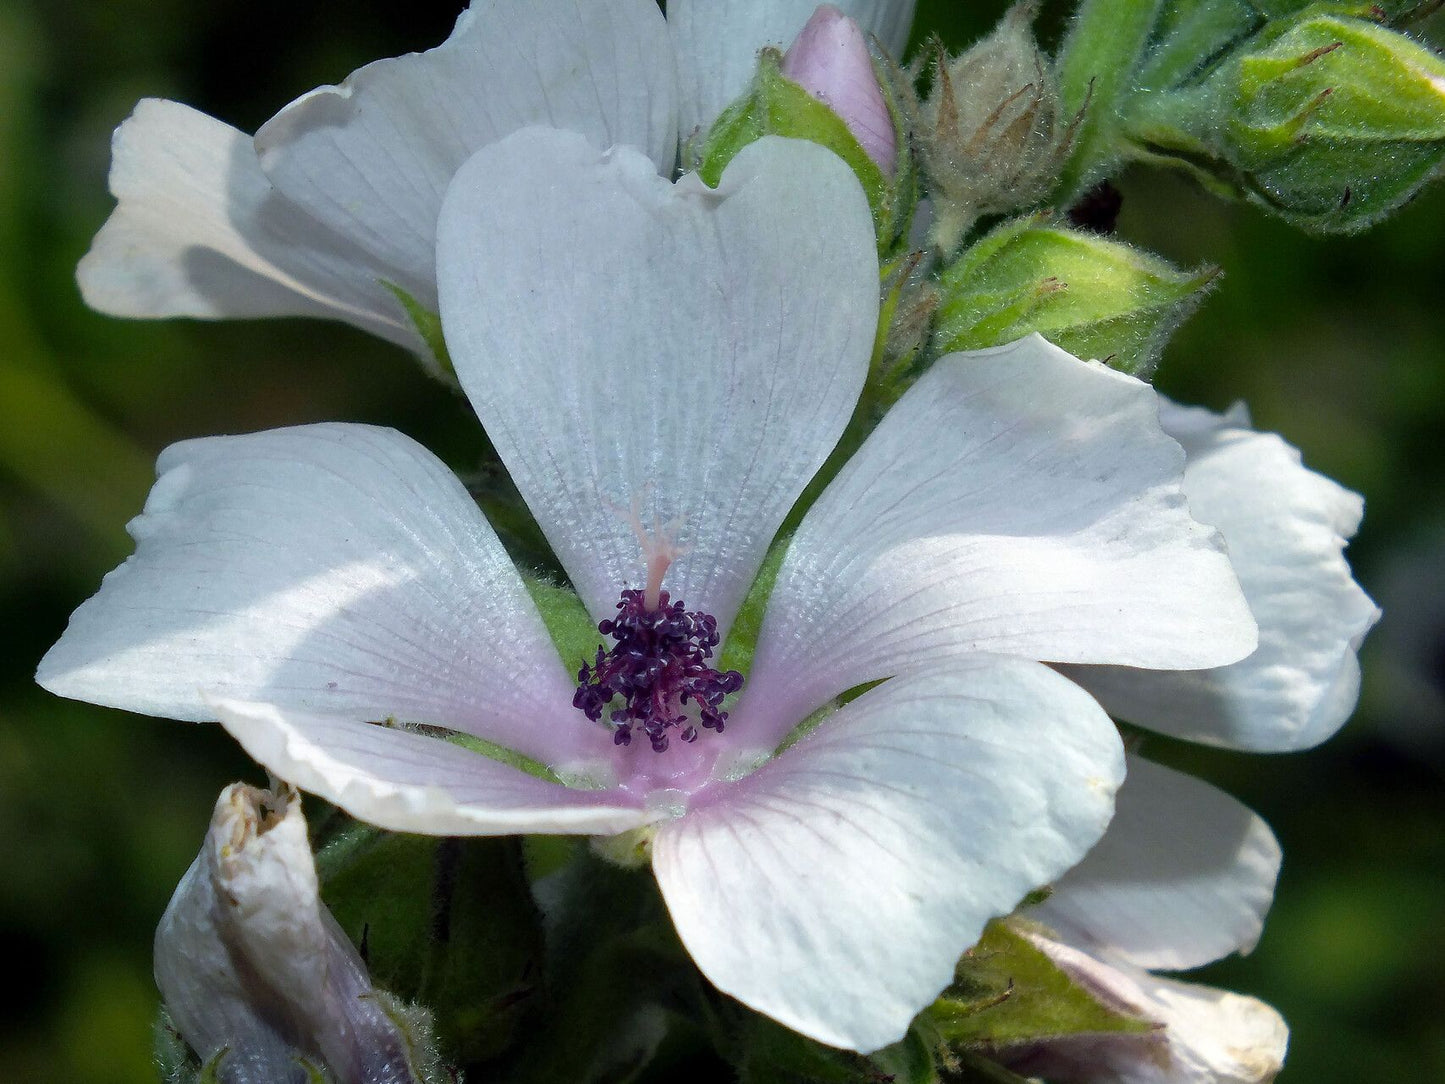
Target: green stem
[1096,70]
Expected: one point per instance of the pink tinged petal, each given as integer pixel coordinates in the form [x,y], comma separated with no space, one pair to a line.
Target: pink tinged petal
[835,887]
[830,60]
[718,42]
[372,158]
[1016,501]
[409,782]
[1209,1036]
[626,340]
[200,232]
[331,568]
[1184,875]
[1286,528]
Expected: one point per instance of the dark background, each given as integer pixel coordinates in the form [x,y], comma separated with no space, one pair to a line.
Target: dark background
[1338,344]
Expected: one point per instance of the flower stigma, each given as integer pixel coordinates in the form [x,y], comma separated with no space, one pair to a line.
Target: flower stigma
[658,663]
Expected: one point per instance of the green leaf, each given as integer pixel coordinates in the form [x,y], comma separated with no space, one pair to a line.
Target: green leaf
[772,1054]
[1006,991]
[448,923]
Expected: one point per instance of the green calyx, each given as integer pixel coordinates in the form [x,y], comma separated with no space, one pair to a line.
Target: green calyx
[1328,120]
[775,105]
[1093,297]
[1007,993]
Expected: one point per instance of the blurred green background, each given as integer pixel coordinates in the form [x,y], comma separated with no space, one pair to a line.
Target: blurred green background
[1338,344]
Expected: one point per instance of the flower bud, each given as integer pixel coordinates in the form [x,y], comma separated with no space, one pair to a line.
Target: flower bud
[825,90]
[1327,120]
[830,60]
[990,132]
[255,973]
[1093,297]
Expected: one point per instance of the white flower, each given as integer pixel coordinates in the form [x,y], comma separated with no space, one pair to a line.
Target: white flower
[1183,876]
[250,961]
[333,206]
[1286,528]
[696,353]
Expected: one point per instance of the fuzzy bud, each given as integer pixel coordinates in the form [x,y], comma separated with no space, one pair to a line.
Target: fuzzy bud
[1329,121]
[992,135]
[256,975]
[1093,297]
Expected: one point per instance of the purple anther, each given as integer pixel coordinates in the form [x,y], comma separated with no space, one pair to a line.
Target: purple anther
[658,664]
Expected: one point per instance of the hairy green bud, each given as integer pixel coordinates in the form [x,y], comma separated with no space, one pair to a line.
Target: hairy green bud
[1093,297]
[1330,121]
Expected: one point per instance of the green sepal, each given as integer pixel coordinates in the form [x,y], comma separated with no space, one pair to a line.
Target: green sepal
[568,623]
[614,979]
[175,1062]
[1006,992]
[447,923]
[1094,297]
[742,641]
[1329,121]
[429,326]
[775,105]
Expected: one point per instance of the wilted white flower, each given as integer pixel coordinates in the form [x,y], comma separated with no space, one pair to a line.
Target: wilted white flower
[696,354]
[255,973]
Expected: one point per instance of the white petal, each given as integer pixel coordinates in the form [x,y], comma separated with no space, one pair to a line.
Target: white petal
[407,782]
[1210,1036]
[334,568]
[199,231]
[372,157]
[625,340]
[1286,528]
[1016,501]
[834,888]
[718,43]
[1184,875]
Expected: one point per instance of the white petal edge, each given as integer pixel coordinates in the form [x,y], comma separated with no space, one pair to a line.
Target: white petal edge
[718,43]
[408,782]
[835,888]
[1286,528]
[334,568]
[694,352]
[372,158]
[1210,1036]
[198,231]
[1016,501]
[1184,875]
